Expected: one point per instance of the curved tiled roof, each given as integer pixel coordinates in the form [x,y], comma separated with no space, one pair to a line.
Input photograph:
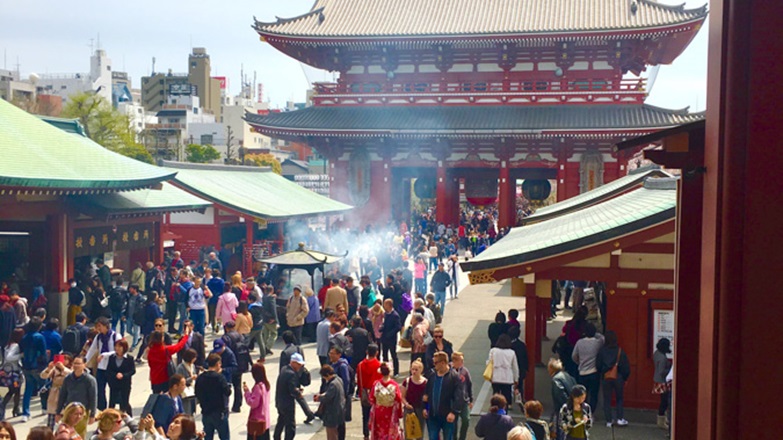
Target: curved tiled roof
[40,156]
[650,205]
[471,119]
[429,18]
[253,191]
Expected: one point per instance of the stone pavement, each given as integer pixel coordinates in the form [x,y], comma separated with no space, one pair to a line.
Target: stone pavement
[465,322]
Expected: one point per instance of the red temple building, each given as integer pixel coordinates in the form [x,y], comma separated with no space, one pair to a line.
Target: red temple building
[438,93]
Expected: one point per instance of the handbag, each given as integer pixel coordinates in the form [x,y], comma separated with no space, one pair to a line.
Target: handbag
[412,426]
[611,374]
[489,369]
[256,428]
[660,388]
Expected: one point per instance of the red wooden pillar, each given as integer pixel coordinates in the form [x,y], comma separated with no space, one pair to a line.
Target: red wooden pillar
[442,212]
[561,177]
[247,266]
[157,255]
[506,208]
[741,245]
[532,339]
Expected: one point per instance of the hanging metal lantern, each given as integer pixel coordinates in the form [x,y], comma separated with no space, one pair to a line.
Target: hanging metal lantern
[481,192]
[536,189]
[424,187]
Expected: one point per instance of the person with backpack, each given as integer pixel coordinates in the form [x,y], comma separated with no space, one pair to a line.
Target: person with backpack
[75,301]
[118,304]
[34,360]
[236,343]
[75,335]
[296,311]
[347,375]
[100,349]
[149,324]
[135,314]
[256,310]
[562,384]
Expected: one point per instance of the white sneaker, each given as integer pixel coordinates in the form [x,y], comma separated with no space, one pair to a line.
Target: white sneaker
[24,419]
[622,422]
[608,424]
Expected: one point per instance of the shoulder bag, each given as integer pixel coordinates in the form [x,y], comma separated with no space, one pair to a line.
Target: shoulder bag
[611,374]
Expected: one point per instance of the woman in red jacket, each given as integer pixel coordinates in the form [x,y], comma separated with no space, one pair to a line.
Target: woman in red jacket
[159,357]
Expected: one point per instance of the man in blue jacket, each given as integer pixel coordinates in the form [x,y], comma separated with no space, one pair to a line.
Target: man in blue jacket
[439,283]
[33,361]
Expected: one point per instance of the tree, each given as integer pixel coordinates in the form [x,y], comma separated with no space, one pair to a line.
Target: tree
[229,145]
[201,153]
[105,125]
[264,160]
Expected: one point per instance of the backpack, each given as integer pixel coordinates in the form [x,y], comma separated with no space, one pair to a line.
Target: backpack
[117,299]
[257,316]
[241,351]
[407,303]
[140,313]
[72,340]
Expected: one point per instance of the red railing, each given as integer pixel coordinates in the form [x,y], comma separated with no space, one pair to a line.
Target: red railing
[591,86]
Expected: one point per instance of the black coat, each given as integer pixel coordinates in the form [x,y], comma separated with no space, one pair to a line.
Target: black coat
[286,389]
[391,326]
[606,359]
[196,342]
[432,347]
[360,339]
[452,398]
[520,349]
[127,368]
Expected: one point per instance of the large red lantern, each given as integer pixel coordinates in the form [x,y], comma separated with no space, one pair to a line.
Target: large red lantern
[481,192]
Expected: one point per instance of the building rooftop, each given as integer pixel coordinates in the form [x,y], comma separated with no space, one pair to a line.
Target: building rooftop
[253,191]
[468,120]
[356,19]
[650,205]
[43,157]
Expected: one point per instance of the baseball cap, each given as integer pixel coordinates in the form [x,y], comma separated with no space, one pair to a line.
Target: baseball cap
[296,357]
[218,344]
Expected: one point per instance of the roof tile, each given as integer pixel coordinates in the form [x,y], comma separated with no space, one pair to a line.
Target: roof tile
[384,18]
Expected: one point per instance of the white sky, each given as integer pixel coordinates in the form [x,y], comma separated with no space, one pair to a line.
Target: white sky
[54,37]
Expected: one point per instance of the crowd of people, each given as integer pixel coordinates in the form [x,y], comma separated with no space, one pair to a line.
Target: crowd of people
[390,294]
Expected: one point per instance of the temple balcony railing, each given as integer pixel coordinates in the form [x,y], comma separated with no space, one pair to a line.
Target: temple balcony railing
[588,91]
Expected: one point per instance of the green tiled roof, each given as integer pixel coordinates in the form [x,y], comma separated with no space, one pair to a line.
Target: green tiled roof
[72,126]
[253,191]
[168,198]
[40,156]
[349,19]
[594,196]
[467,120]
[650,205]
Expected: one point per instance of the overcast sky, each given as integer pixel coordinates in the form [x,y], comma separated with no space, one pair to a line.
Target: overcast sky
[55,37]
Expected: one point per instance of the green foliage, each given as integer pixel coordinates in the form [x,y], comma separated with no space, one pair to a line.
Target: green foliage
[264,160]
[105,125]
[201,153]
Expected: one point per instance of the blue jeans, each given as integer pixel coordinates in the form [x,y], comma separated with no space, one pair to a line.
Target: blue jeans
[215,422]
[437,423]
[440,298]
[100,379]
[433,263]
[199,320]
[116,317]
[33,381]
[421,286]
[183,313]
[135,330]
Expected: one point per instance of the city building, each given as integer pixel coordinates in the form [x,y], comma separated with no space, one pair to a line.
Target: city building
[98,80]
[479,94]
[156,88]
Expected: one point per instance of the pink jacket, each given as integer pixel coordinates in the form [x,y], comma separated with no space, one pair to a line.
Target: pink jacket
[227,307]
[258,399]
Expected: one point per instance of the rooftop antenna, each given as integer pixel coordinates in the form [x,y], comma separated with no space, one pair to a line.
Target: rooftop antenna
[17,67]
[153,66]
